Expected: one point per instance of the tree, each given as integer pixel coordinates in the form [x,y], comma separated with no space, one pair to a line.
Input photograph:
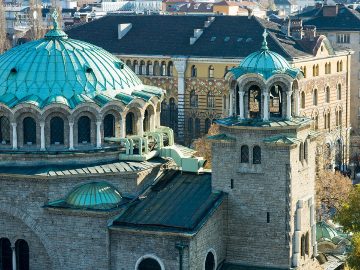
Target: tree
[332,188]
[4,41]
[203,145]
[348,215]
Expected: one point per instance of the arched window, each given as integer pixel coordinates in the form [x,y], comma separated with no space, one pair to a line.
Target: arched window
[84,130]
[304,71]
[136,67]
[128,63]
[191,127]
[327,94]
[315,97]
[193,99]
[305,151]
[4,130]
[244,158]
[163,68]
[303,100]
[256,155]
[156,69]
[109,125]
[276,101]
[340,117]
[307,243]
[5,254]
[29,129]
[170,69]
[329,68]
[207,125]
[317,70]
[301,152]
[197,128]
[210,261]
[338,92]
[149,68]
[142,68]
[146,123]
[302,246]
[211,72]
[316,121]
[22,255]
[341,66]
[56,130]
[211,99]
[314,70]
[130,123]
[149,264]
[254,102]
[193,71]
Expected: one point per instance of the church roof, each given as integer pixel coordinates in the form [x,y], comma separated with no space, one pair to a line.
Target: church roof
[179,202]
[57,69]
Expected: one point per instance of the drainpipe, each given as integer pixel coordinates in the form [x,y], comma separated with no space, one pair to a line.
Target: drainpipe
[181,247]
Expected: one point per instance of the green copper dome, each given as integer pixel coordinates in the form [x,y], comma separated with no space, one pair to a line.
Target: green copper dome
[94,196]
[265,63]
[57,69]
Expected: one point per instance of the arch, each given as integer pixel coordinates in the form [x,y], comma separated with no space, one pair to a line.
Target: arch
[163,69]
[149,68]
[29,131]
[149,118]
[193,71]
[57,130]
[156,68]
[149,262]
[302,102]
[315,97]
[244,156]
[4,130]
[170,69]
[142,68]
[5,254]
[130,123]
[210,99]
[254,101]
[109,125]
[338,91]
[197,127]
[276,101]
[207,125]
[211,72]
[84,130]
[210,262]
[22,255]
[327,94]
[194,99]
[256,155]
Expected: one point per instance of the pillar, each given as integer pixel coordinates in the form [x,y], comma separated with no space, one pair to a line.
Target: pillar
[180,66]
[13,257]
[71,136]
[122,126]
[297,101]
[42,136]
[231,110]
[266,106]
[14,136]
[288,104]
[241,104]
[98,134]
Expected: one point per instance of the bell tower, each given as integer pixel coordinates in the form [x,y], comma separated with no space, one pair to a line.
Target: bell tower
[265,160]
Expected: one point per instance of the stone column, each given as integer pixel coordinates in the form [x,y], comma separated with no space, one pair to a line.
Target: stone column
[297,103]
[180,66]
[42,136]
[122,127]
[241,104]
[266,106]
[288,104]
[13,258]
[71,136]
[14,136]
[231,112]
[98,134]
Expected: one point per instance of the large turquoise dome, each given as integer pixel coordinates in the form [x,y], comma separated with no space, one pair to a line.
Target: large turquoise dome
[57,69]
[265,63]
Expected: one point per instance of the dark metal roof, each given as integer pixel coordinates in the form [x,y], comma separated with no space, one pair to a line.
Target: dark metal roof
[178,202]
[226,37]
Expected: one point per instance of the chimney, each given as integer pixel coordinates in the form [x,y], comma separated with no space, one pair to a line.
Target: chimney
[197,34]
[296,28]
[123,29]
[250,13]
[330,11]
[309,32]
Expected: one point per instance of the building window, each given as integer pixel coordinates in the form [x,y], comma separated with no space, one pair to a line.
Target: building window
[207,125]
[22,255]
[130,123]
[316,121]
[315,97]
[210,261]
[244,158]
[304,71]
[193,99]
[256,155]
[197,128]
[163,68]
[302,247]
[343,38]
[149,68]
[84,125]
[338,92]
[56,130]
[149,263]
[211,72]
[341,66]
[170,71]
[4,130]
[306,151]
[136,67]
[302,100]
[327,68]
[327,94]
[109,125]
[224,102]
[5,254]
[301,151]
[210,100]
[327,120]
[29,129]
[193,71]
[142,68]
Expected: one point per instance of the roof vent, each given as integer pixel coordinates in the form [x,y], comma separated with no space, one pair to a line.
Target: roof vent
[197,34]
[208,22]
[123,29]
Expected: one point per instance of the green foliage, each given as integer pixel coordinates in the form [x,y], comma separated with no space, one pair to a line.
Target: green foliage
[354,257]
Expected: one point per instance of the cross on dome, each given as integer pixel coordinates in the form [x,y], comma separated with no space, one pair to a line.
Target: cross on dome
[55,16]
[264,43]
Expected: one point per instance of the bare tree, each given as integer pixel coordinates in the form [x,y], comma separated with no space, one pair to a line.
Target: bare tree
[4,41]
[203,145]
[36,23]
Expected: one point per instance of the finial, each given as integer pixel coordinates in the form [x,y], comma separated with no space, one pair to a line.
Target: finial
[55,16]
[264,43]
